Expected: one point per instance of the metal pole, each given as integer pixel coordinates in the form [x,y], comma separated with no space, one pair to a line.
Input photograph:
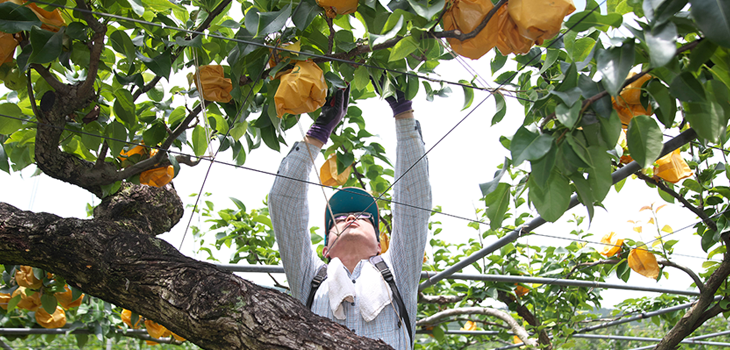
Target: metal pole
[691,339]
[136,333]
[494,278]
[617,176]
[640,316]
[565,282]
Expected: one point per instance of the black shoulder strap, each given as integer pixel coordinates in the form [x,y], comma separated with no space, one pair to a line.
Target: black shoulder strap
[316,282]
[388,276]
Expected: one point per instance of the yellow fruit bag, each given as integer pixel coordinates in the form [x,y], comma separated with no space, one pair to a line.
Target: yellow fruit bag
[7,47]
[672,167]
[538,20]
[55,320]
[644,263]
[333,8]
[465,15]
[64,299]
[328,175]
[509,40]
[157,177]
[302,90]
[215,86]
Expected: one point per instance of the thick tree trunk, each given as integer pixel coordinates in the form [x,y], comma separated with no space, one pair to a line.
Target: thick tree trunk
[116,257]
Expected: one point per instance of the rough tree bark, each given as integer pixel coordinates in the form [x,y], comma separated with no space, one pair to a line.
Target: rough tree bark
[116,257]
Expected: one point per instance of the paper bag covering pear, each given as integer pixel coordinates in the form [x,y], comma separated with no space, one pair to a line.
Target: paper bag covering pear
[302,90]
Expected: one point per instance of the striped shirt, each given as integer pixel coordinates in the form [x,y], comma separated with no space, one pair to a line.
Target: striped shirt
[290,213]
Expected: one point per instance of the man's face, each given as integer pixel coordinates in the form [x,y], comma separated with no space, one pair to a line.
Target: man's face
[352,233]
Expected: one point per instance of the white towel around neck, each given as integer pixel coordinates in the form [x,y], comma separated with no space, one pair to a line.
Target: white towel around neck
[372,298]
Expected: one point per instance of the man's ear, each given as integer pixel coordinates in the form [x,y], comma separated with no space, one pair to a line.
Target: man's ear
[324,252]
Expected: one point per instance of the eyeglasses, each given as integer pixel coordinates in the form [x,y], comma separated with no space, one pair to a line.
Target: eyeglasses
[342,217]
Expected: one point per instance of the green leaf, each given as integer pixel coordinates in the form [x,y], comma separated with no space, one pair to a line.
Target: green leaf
[644,139]
[527,145]
[667,104]
[665,196]
[377,39]
[713,18]
[13,302]
[468,95]
[10,125]
[127,116]
[155,134]
[49,303]
[108,190]
[686,88]
[268,134]
[584,193]
[489,187]
[552,200]
[403,48]
[115,131]
[304,13]
[661,41]
[587,19]
[81,340]
[269,22]
[497,204]
[706,118]
[582,48]
[200,140]
[239,129]
[92,141]
[4,165]
[438,333]
[568,115]
[701,54]
[610,129]
[362,78]
[123,44]
[46,45]
[599,175]
[197,41]
[499,60]
[160,65]
[500,108]
[541,168]
[15,18]
[614,64]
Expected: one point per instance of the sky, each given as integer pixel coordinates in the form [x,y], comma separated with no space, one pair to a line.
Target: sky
[461,160]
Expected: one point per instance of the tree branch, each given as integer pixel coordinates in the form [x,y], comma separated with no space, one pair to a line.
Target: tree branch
[443,316]
[687,270]
[457,34]
[439,299]
[701,214]
[526,314]
[362,49]
[85,90]
[587,102]
[694,317]
[591,264]
[49,78]
[212,308]
[179,49]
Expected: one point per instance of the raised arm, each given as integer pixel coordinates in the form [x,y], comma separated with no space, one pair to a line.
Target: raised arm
[288,204]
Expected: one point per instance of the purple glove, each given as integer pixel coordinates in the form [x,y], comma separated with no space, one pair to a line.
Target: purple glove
[332,112]
[398,103]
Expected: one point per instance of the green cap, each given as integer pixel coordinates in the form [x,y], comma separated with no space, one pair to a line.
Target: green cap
[351,200]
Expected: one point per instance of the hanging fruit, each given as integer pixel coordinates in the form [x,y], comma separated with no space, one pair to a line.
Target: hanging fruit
[328,174]
[385,243]
[156,330]
[4,300]
[127,319]
[25,278]
[465,16]
[215,86]
[509,40]
[30,303]
[332,8]
[612,245]
[672,167]
[644,263]
[158,177]
[538,20]
[628,103]
[55,320]
[302,90]
[64,299]
[7,47]
[469,326]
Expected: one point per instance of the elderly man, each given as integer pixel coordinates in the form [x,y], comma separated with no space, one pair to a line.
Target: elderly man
[374,295]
